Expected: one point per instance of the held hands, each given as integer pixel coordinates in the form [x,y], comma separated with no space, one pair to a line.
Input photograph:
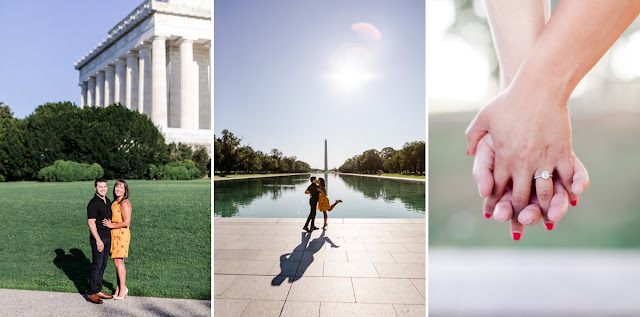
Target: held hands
[107,223]
[531,133]
[502,209]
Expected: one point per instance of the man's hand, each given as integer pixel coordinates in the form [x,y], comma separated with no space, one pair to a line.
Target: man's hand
[100,245]
[94,234]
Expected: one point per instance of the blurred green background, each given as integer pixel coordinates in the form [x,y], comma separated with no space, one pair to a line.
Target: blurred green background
[608,212]
[605,112]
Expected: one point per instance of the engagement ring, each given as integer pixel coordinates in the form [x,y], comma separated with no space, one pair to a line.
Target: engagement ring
[544,175]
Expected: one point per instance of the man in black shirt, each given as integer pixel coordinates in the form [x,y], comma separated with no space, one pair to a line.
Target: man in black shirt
[99,208]
[313,202]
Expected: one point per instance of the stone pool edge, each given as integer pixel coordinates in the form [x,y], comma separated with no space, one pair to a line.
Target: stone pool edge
[330,220]
[385,177]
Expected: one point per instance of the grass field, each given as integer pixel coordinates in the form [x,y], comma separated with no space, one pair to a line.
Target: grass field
[44,238]
[608,212]
[403,176]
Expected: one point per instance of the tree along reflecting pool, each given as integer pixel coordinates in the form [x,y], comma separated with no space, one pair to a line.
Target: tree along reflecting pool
[284,197]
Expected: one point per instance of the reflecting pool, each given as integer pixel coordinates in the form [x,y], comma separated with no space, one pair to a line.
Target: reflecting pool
[284,197]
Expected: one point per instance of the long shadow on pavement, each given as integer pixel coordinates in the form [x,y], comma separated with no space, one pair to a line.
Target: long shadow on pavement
[76,266]
[291,267]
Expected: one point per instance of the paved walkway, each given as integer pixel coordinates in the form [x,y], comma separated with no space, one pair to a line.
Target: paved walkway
[533,282]
[358,267]
[18,303]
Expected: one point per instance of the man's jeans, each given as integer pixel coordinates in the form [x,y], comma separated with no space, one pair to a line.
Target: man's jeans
[99,263]
[312,214]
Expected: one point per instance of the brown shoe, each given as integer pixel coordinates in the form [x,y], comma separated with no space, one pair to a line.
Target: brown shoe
[104,296]
[94,299]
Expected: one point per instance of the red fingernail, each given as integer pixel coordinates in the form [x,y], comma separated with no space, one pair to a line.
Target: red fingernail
[516,235]
[574,202]
[549,225]
[487,215]
[468,153]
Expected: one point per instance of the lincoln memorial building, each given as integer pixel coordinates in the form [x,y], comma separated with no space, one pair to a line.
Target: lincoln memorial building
[157,61]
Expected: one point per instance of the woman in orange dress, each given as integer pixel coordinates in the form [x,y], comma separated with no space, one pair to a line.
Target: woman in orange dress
[323,201]
[120,236]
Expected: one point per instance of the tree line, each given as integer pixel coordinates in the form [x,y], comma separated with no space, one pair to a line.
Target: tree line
[411,194]
[229,156]
[125,143]
[408,160]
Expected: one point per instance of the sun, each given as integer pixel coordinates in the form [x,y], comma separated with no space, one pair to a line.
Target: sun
[349,69]
[349,78]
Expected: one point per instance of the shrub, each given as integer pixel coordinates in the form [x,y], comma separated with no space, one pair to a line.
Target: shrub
[47,174]
[94,171]
[184,170]
[202,160]
[69,171]
[153,172]
[123,142]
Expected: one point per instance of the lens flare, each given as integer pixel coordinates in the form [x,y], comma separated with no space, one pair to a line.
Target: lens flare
[366,30]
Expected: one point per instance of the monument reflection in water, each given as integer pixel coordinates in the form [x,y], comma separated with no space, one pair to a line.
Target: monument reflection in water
[283,197]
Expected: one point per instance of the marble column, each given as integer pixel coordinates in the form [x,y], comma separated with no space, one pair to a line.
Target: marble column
[100,89]
[120,81]
[159,82]
[144,79]
[189,118]
[83,94]
[208,46]
[205,95]
[91,95]
[131,96]
[108,84]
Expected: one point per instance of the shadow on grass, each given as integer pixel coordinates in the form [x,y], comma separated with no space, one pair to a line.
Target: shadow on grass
[293,268]
[76,266]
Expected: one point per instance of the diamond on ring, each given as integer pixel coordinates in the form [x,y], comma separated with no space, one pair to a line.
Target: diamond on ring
[544,175]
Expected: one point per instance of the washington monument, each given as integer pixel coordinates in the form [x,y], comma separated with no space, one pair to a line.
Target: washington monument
[325,155]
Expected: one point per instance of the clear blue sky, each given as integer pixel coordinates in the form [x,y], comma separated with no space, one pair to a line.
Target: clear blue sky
[41,41]
[289,74]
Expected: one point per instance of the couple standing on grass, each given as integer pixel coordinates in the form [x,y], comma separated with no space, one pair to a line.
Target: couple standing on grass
[109,226]
[318,192]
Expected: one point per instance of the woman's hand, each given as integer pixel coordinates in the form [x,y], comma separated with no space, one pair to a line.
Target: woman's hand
[531,133]
[107,223]
[502,210]
[532,213]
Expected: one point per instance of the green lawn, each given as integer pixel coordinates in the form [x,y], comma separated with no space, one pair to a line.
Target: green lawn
[44,238]
[608,212]
[403,175]
[393,175]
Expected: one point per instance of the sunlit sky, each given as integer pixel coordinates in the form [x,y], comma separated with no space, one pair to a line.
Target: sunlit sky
[459,73]
[41,41]
[455,69]
[290,74]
